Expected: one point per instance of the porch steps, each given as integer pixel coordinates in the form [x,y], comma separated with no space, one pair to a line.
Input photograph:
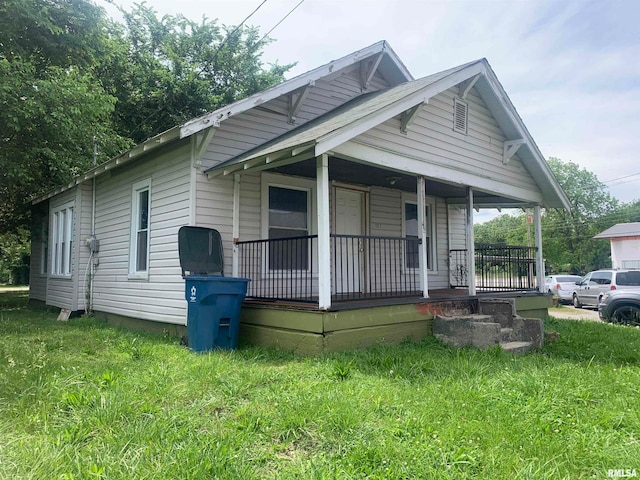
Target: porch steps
[496,323]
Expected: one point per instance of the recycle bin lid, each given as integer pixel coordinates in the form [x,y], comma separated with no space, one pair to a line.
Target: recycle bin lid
[200,251]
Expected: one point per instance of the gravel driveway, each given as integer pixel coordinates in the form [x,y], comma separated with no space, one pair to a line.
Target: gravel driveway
[572,313]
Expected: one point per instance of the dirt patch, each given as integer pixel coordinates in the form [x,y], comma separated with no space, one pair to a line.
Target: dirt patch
[572,313]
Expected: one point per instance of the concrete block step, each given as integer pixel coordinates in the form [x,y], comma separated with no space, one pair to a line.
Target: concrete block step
[517,347]
[506,334]
[501,309]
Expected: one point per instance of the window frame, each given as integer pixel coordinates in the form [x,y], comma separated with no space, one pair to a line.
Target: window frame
[136,189]
[59,265]
[290,183]
[430,204]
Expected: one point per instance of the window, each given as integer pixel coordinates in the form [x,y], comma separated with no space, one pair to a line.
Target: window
[139,249]
[410,221]
[288,217]
[62,240]
[460,116]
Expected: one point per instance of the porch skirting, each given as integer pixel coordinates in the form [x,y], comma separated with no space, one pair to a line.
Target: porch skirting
[310,331]
[314,332]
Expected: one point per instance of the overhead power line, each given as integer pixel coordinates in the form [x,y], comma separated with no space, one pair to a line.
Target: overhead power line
[281,20]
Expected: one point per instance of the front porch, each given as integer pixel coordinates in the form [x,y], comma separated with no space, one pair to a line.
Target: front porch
[374,268]
[302,328]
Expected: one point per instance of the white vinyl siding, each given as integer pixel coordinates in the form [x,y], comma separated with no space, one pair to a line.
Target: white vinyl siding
[431,139]
[161,296]
[266,122]
[386,207]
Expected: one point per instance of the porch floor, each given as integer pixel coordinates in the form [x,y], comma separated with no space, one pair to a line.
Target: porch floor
[339,302]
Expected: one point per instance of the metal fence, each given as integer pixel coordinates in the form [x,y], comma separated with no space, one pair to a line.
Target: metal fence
[497,268]
[361,267]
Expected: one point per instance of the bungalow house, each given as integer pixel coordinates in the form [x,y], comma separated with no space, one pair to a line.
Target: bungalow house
[345,194]
[625,244]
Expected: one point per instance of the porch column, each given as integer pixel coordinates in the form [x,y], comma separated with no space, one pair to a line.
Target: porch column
[422,235]
[235,260]
[324,239]
[538,242]
[471,249]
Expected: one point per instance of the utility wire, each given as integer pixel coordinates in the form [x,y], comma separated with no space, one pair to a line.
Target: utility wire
[215,55]
[282,20]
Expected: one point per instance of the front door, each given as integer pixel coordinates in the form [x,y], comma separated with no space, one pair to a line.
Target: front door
[349,250]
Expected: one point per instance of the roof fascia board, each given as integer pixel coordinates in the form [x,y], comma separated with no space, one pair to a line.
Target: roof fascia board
[433,170]
[333,139]
[511,112]
[213,118]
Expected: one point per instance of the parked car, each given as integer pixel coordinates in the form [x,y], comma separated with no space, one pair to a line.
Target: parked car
[620,306]
[589,290]
[562,286]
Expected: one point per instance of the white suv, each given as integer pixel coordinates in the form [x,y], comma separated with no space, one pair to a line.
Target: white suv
[594,285]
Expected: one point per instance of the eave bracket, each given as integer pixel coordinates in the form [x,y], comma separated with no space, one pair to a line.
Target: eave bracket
[510,148]
[408,116]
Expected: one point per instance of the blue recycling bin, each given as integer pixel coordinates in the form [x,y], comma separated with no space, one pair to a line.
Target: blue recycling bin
[213,311]
[213,300]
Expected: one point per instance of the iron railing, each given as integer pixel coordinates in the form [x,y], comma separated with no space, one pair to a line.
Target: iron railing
[361,267]
[498,268]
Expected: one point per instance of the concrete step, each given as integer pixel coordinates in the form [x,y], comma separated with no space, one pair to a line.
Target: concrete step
[506,334]
[517,347]
[501,309]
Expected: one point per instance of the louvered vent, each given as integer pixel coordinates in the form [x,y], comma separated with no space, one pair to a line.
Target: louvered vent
[460,110]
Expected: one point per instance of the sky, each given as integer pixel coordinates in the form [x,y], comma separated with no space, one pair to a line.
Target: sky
[570,67]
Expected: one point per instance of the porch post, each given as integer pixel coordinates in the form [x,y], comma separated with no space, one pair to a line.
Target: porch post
[235,260]
[324,239]
[471,249]
[538,243]
[422,235]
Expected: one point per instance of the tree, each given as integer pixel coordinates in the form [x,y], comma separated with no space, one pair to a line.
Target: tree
[166,71]
[69,75]
[506,229]
[568,240]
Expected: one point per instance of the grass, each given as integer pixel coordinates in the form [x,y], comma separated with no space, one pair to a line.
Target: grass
[82,400]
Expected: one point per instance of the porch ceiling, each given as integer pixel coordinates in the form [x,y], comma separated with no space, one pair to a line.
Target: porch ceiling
[341,170]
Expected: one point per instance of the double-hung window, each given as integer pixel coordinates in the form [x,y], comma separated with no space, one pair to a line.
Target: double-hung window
[62,240]
[139,248]
[412,246]
[288,218]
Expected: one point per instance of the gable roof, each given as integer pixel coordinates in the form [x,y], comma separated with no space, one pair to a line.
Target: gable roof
[621,230]
[381,53]
[359,115]
[318,132]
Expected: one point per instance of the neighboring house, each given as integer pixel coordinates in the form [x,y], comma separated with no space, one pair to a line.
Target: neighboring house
[351,182]
[625,244]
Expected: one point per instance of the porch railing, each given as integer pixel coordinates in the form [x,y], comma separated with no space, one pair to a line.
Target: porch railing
[361,267]
[498,268]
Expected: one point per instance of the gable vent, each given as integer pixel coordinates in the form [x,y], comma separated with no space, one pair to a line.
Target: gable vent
[460,116]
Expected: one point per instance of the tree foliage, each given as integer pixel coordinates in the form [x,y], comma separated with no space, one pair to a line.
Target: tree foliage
[568,240]
[171,69]
[68,74]
[567,236]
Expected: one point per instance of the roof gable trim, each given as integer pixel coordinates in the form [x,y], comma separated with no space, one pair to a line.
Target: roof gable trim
[299,82]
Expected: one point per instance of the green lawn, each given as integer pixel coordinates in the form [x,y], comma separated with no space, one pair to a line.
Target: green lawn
[82,400]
